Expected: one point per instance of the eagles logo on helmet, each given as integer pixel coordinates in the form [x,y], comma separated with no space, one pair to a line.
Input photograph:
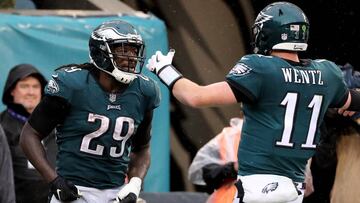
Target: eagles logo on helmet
[109,36]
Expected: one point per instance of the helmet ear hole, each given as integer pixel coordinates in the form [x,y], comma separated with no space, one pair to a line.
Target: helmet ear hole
[105,61]
[261,43]
[99,57]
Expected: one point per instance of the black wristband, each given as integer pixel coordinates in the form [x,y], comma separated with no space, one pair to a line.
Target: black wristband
[355,101]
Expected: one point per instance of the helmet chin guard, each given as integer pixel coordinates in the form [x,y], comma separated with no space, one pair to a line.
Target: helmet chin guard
[119,75]
[123,77]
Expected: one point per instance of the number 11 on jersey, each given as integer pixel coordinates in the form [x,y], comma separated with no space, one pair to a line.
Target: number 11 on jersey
[290,104]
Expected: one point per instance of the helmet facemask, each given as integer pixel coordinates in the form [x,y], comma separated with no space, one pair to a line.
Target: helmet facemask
[127,58]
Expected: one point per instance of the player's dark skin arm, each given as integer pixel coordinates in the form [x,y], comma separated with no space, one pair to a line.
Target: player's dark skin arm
[139,163]
[30,141]
[49,112]
[140,157]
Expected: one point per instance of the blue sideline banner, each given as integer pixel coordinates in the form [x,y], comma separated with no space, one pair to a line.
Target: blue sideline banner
[48,42]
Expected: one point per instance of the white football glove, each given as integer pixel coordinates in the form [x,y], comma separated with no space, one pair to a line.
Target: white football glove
[161,65]
[130,192]
[158,61]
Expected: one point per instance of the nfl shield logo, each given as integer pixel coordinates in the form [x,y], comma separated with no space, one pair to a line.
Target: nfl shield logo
[112,98]
[284,36]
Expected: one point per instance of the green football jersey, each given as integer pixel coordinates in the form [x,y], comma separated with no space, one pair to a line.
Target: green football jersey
[95,139]
[281,128]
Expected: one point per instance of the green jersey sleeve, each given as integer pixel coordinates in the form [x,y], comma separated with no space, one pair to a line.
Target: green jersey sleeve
[340,89]
[246,77]
[64,82]
[151,90]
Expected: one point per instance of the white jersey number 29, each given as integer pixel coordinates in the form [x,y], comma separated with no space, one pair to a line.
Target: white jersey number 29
[104,126]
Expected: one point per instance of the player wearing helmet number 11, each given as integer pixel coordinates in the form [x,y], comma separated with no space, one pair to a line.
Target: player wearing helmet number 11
[284,101]
[102,112]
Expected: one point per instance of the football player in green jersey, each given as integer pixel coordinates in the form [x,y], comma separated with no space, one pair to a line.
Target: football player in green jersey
[102,112]
[284,101]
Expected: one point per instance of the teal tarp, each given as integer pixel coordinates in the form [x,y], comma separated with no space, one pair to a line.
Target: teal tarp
[48,42]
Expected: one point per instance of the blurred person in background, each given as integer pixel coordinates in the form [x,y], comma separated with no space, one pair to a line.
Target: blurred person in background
[215,164]
[22,93]
[7,191]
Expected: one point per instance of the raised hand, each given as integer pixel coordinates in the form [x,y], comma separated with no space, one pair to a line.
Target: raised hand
[162,66]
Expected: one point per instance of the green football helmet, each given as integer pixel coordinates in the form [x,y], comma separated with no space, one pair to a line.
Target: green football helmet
[280,26]
[103,42]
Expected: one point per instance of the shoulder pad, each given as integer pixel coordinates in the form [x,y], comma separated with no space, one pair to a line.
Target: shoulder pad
[72,76]
[253,61]
[147,84]
[327,63]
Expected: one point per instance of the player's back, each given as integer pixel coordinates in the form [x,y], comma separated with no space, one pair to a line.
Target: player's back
[280,129]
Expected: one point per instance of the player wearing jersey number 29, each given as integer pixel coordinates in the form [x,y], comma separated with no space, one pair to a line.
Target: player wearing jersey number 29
[102,112]
[284,101]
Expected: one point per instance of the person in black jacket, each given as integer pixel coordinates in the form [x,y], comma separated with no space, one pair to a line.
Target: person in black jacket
[22,92]
[7,193]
